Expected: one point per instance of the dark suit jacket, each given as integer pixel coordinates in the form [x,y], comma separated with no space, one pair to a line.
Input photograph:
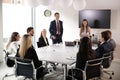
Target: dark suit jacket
[42,42]
[31,54]
[103,48]
[112,41]
[53,29]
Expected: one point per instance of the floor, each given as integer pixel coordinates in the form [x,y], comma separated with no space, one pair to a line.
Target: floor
[58,74]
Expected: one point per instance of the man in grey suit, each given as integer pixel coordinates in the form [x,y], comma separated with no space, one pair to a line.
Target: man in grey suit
[112,41]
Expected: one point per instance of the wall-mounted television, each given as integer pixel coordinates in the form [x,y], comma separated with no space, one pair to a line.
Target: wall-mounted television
[99,19]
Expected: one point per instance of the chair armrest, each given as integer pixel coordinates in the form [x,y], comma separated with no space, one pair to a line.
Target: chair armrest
[79,69]
[40,67]
[73,75]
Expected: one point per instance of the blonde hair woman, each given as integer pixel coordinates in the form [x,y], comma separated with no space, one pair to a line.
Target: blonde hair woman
[43,40]
[27,51]
[85,29]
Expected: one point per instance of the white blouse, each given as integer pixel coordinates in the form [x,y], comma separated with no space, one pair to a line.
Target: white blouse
[12,49]
[85,33]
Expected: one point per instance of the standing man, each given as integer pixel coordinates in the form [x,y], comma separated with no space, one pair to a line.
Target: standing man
[56,29]
[30,31]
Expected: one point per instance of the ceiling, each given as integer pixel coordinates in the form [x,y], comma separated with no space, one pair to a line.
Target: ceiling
[103,4]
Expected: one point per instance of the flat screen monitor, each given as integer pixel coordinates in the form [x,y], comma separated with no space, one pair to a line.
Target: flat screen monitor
[99,19]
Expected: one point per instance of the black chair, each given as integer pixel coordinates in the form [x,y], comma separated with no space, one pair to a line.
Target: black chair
[38,44]
[108,57]
[92,70]
[9,61]
[25,67]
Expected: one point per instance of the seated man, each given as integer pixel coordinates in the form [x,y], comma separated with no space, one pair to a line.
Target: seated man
[104,46]
[112,41]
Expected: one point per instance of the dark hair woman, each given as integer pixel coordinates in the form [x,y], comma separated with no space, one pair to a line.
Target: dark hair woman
[85,53]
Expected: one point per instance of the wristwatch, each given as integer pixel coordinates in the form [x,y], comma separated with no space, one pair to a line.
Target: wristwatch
[47,13]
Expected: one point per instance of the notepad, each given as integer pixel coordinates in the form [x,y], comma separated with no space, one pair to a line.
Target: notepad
[71,58]
[68,43]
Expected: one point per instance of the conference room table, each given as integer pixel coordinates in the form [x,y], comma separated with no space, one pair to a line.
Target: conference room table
[58,53]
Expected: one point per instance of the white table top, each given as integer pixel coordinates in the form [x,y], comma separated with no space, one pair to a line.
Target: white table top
[58,54]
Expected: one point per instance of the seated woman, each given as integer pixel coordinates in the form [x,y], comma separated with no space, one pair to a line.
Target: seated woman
[104,46]
[85,53]
[26,51]
[11,48]
[43,40]
[13,43]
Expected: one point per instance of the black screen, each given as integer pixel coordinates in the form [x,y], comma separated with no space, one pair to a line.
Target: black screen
[96,18]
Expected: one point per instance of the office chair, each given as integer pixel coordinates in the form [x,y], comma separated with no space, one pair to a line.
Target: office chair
[9,61]
[108,57]
[92,70]
[38,44]
[25,67]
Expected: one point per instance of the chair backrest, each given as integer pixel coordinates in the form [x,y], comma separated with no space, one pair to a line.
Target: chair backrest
[38,44]
[9,60]
[93,68]
[24,67]
[70,43]
[107,59]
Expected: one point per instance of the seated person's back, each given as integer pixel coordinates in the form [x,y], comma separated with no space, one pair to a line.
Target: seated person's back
[26,51]
[85,53]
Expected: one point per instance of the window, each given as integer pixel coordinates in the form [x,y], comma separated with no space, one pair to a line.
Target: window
[15,18]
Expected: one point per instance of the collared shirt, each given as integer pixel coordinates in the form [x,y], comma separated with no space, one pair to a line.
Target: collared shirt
[12,49]
[45,40]
[58,26]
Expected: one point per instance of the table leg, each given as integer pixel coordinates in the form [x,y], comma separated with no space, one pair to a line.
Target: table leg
[46,63]
[65,71]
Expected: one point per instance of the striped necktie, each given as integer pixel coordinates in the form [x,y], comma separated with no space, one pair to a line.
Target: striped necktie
[58,27]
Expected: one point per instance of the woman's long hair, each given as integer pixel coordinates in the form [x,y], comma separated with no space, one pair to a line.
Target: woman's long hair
[12,38]
[85,49]
[82,26]
[26,43]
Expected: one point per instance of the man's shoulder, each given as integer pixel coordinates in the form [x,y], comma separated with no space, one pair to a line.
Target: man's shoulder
[60,20]
[53,21]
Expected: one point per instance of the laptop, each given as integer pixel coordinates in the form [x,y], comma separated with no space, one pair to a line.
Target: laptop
[69,43]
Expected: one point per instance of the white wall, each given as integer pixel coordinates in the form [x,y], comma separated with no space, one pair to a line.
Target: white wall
[69,16]
[1,33]
[71,30]
[116,25]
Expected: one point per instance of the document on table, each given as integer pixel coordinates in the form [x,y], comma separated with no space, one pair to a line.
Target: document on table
[71,58]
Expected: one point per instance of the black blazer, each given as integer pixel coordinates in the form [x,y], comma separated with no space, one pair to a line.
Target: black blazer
[103,48]
[53,28]
[31,54]
[42,42]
